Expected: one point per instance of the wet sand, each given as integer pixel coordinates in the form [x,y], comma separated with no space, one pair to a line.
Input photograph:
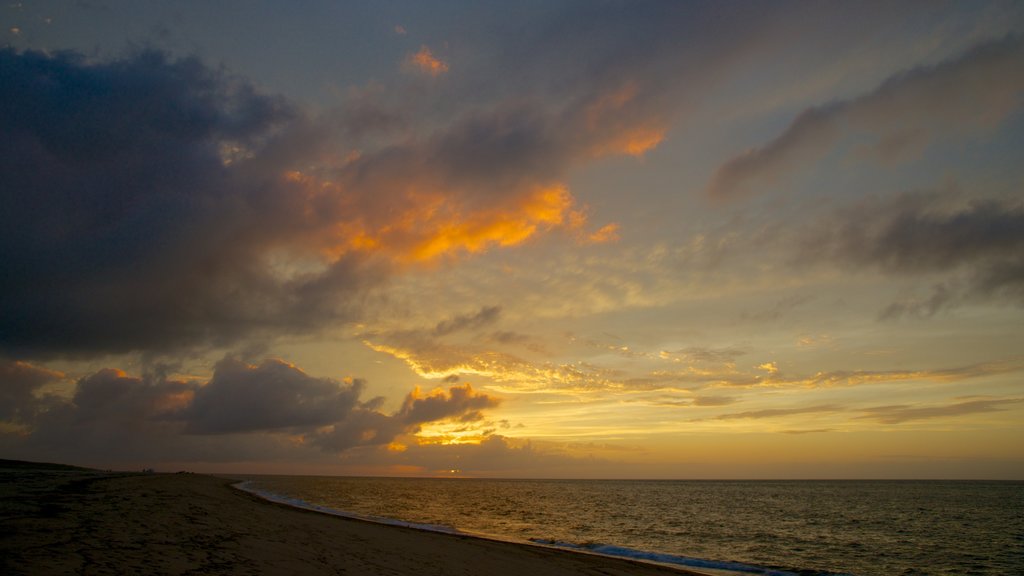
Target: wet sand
[81,522]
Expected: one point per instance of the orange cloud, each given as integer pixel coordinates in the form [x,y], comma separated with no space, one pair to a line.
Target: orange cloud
[619,124]
[545,207]
[637,142]
[425,61]
[607,233]
[432,224]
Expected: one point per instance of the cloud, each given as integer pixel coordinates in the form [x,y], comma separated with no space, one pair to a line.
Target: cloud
[899,414]
[727,355]
[438,360]
[895,414]
[271,410]
[176,206]
[495,455]
[272,396]
[776,412]
[810,135]
[779,309]
[713,400]
[977,246]
[147,193]
[454,347]
[919,238]
[461,401]
[837,378]
[111,398]
[942,296]
[974,91]
[19,383]
[424,61]
[769,375]
[486,315]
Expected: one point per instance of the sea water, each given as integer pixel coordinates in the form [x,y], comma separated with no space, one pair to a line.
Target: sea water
[864,528]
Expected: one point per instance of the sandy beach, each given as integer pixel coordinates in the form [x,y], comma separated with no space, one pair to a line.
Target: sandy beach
[81,522]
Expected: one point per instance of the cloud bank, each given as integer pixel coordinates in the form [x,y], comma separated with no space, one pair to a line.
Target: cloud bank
[155,204]
[273,407]
[158,205]
[142,200]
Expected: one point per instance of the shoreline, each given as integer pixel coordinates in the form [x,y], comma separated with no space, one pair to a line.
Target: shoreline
[699,566]
[85,522]
[270,498]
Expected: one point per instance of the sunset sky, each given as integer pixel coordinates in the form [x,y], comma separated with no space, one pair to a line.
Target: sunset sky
[540,239]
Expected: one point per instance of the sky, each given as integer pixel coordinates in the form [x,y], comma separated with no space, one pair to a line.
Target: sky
[514,239]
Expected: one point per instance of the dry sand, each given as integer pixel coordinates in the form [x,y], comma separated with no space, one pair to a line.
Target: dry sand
[79,522]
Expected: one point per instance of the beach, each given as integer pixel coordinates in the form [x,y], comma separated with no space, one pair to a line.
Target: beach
[83,522]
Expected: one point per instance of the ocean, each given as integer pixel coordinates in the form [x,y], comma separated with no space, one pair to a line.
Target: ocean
[770,528]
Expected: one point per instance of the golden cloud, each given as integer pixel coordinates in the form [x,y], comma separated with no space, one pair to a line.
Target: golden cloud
[426,62]
[432,224]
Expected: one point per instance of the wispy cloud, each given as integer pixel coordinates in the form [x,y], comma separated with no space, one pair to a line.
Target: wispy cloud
[974,91]
[485,316]
[897,414]
[769,375]
[777,412]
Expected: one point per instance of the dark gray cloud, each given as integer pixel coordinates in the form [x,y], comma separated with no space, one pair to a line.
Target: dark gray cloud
[942,296]
[271,396]
[919,238]
[977,248]
[361,428]
[19,383]
[487,315]
[369,428]
[461,401]
[141,198]
[114,416]
[973,91]
[243,412]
